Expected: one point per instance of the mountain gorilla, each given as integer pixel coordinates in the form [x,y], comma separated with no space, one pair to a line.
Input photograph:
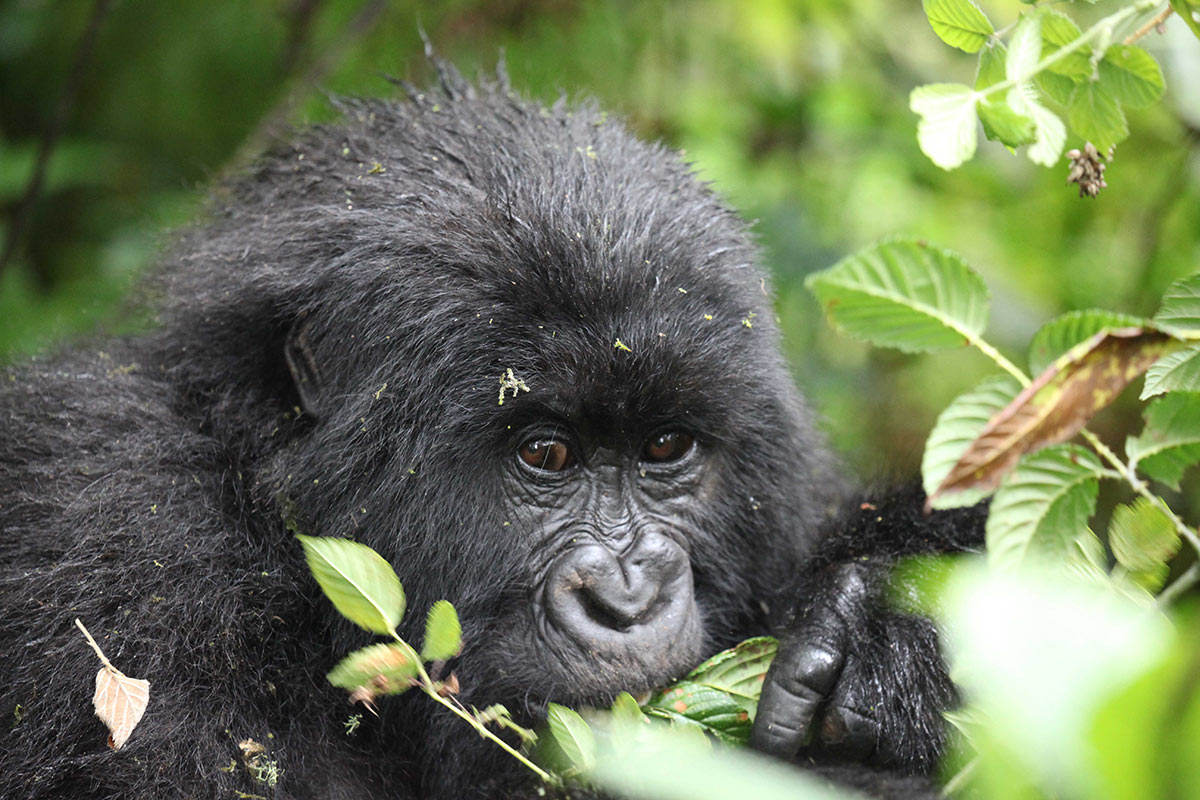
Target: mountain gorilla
[529,359]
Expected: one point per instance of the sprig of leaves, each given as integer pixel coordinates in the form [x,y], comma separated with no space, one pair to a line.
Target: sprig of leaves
[1007,436]
[1047,61]
[365,589]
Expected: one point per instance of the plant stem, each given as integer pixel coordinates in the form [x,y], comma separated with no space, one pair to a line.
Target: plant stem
[1180,585]
[427,686]
[1100,30]
[960,779]
[103,659]
[1159,19]
[1140,487]
[1002,362]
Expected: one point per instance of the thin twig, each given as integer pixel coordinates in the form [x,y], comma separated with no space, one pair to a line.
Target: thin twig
[1180,585]
[96,647]
[62,111]
[960,779]
[1159,19]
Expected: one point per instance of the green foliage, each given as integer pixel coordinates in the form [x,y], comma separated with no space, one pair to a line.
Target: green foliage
[389,666]
[721,695]
[360,584]
[443,633]
[1047,54]
[1143,540]
[1058,336]
[904,294]
[1170,442]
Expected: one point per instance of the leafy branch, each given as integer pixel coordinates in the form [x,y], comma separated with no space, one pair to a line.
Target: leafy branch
[1047,59]
[1008,436]
[366,590]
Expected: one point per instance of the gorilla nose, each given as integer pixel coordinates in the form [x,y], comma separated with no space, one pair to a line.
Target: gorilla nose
[591,587]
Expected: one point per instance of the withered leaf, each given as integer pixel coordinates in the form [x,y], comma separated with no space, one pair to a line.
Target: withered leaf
[1057,404]
[120,702]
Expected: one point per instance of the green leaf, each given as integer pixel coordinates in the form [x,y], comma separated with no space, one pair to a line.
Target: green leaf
[696,705]
[568,746]
[443,634]
[904,294]
[959,23]
[1143,539]
[1170,441]
[957,426]
[1058,88]
[1002,124]
[1189,12]
[1051,133]
[1057,30]
[1043,506]
[668,766]
[1094,115]
[385,668]
[1059,335]
[720,695]
[946,130]
[1180,310]
[1024,49]
[1174,372]
[1131,76]
[360,584]
[991,65]
[1039,652]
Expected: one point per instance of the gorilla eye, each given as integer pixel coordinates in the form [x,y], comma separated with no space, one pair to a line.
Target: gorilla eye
[668,447]
[550,455]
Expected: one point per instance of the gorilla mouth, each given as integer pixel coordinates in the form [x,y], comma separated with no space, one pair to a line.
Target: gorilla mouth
[628,621]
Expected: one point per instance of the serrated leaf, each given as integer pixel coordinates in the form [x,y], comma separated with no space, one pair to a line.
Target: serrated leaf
[1170,440]
[1056,405]
[360,584]
[990,69]
[1062,333]
[721,694]
[1058,88]
[946,129]
[1057,30]
[1096,116]
[443,633]
[1050,130]
[957,426]
[568,745]
[1174,372]
[738,671]
[119,702]
[1180,309]
[1131,76]
[385,668]
[1143,539]
[1002,124]
[1189,12]
[959,23]
[1024,49]
[1043,506]
[904,294]
[695,705]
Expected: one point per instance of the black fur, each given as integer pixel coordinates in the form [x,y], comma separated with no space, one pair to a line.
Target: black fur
[415,252]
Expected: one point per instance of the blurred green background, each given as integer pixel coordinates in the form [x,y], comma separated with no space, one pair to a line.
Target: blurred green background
[796,110]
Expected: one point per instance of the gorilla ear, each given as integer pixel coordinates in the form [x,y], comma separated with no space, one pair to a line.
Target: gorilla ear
[303,366]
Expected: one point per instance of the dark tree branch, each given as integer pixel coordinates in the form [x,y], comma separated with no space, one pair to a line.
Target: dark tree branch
[66,104]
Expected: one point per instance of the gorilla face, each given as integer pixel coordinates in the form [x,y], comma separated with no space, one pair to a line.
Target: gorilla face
[613,593]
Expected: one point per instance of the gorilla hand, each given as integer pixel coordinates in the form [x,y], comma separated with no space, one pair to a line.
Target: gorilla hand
[826,692]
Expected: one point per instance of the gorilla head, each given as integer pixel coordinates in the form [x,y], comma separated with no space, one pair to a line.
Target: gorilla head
[540,374]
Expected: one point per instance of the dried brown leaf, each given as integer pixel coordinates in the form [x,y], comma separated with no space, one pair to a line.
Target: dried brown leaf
[120,702]
[1057,404]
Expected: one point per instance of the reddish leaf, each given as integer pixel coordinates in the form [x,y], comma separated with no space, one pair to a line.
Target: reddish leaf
[1057,404]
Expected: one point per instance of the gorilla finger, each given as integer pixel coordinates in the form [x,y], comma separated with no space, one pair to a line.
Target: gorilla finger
[848,733]
[796,686]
